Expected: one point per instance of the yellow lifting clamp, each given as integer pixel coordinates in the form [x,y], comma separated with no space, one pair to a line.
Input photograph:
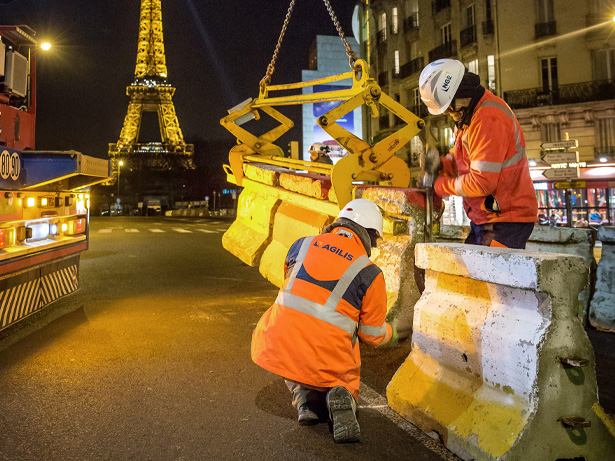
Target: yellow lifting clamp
[374,164]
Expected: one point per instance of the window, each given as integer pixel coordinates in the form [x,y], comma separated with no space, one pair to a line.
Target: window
[473,66]
[548,70]
[603,64]
[488,10]
[416,97]
[545,11]
[382,26]
[396,62]
[445,33]
[470,18]
[394,20]
[491,73]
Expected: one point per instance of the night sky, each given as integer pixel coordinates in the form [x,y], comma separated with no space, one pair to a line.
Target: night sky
[216,54]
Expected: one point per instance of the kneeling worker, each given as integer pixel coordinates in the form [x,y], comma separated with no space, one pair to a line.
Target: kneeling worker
[333,297]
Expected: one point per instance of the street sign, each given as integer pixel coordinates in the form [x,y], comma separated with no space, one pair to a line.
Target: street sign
[560,157]
[561,173]
[560,144]
[570,185]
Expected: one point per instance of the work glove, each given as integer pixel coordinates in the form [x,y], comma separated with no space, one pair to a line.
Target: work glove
[430,166]
[394,340]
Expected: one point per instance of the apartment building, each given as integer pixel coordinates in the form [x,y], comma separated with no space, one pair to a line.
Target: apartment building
[552,61]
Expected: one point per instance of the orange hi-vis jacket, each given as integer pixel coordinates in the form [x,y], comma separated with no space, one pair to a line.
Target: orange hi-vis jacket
[489,159]
[333,296]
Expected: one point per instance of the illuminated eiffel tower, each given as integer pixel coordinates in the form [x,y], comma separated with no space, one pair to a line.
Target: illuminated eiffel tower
[151,92]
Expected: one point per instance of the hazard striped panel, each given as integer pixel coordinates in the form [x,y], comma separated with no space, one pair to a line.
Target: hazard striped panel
[28,291]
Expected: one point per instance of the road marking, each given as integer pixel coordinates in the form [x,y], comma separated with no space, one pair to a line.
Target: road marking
[182,231]
[156,230]
[106,230]
[132,231]
[207,231]
[378,403]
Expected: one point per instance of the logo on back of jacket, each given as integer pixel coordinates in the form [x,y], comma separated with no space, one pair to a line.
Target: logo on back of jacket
[334,249]
[447,81]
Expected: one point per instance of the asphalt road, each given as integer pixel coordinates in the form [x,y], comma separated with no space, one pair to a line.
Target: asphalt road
[150,360]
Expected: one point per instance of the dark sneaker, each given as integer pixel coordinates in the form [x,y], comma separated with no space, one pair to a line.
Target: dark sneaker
[342,412]
[307,417]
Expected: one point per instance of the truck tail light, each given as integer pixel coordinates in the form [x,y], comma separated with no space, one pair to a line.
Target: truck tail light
[76,226]
[7,237]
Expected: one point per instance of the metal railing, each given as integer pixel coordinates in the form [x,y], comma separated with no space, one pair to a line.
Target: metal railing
[411,22]
[468,36]
[608,151]
[545,29]
[412,67]
[420,110]
[381,36]
[439,5]
[565,94]
[446,50]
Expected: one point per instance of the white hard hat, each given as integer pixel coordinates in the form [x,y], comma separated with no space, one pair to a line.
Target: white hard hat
[365,213]
[439,82]
[319,147]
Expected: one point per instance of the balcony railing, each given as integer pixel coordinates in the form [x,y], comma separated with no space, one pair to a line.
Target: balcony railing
[396,73]
[468,36]
[447,50]
[545,29]
[565,94]
[488,28]
[439,5]
[382,78]
[412,67]
[411,22]
[381,36]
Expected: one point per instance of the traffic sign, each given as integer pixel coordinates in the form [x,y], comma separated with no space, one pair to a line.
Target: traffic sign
[560,157]
[561,173]
[560,144]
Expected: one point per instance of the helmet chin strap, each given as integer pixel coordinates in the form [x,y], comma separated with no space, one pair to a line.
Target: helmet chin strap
[468,111]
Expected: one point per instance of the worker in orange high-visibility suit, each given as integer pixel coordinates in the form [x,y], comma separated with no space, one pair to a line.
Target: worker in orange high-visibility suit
[333,297]
[487,166]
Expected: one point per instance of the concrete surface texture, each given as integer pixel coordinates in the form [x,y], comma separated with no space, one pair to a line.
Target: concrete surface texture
[602,307]
[501,367]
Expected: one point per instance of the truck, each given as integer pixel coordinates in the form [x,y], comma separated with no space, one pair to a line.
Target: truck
[44,200]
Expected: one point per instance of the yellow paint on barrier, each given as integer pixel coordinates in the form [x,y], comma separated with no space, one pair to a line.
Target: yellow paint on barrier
[609,423]
[464,286]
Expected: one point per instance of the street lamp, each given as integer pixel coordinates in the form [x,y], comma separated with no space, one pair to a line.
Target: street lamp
[119,170]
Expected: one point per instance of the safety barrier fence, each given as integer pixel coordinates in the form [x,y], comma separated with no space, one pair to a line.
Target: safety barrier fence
[501,367]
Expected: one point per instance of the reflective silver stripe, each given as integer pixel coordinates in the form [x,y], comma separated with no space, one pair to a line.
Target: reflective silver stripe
[345,280]
[326,312]
[483,165]
[520,155]
[458,188]
[373,331]
[318,311]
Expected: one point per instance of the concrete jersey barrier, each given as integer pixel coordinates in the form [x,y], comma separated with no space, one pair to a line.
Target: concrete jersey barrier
[501,367]
[602,307]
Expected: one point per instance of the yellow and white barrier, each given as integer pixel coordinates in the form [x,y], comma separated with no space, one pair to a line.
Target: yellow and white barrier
[501,367]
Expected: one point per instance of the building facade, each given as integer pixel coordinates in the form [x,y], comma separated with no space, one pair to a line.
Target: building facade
[552,61]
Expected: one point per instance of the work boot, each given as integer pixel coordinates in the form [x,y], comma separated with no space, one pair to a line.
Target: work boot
[306,416]
[342,409]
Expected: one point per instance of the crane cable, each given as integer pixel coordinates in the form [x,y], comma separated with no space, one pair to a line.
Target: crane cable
[351,54]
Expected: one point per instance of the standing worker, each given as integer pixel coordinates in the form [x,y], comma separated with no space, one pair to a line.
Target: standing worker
[333,296]
[320,153]
[487,166]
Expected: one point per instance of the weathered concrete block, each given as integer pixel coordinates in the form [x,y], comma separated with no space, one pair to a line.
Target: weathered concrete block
[312,185]
[291,222]
[250,233]
[500,357]
[602,307]
[266,174]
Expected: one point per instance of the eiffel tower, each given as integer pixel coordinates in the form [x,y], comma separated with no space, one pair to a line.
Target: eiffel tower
[151,92]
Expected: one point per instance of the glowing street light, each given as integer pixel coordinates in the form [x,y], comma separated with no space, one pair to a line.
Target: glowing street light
[119,170]
[46,46]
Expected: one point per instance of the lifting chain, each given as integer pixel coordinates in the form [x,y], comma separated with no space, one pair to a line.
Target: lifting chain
[351,54]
